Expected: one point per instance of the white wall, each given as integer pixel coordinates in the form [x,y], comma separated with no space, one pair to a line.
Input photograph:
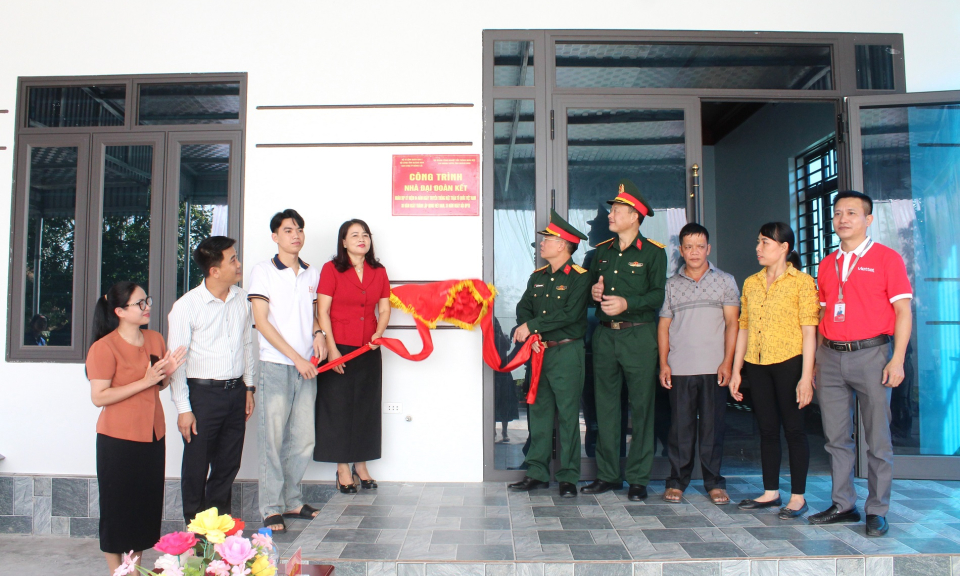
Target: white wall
[373,52]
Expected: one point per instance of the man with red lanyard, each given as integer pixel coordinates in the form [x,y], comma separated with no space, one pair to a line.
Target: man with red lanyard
[865,300]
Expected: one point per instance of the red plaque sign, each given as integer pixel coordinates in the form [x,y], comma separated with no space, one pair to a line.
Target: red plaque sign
[436,185]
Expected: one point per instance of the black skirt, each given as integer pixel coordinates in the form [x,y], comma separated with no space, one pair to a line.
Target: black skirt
[130,477]
[348,420]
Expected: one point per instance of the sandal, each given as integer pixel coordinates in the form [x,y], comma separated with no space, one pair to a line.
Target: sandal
[307,512]
[275,520]
[719,496]
[672,495]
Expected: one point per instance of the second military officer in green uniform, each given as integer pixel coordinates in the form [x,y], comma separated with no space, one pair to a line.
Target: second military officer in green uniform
[629,273]
[554,306]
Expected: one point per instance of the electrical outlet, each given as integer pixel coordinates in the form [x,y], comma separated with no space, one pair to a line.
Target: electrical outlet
[390,408]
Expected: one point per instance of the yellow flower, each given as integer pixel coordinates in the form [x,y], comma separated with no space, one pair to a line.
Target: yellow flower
[209,524]
[262,567]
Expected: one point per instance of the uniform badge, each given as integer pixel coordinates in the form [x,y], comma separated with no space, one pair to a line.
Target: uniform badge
[538,285]
[566,269]
[561,287]
[635,264]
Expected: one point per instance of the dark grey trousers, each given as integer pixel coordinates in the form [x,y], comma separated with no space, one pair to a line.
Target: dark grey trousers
[843,377]
[697,408]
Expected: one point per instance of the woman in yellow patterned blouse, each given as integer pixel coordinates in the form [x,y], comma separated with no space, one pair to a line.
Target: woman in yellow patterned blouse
[779,313]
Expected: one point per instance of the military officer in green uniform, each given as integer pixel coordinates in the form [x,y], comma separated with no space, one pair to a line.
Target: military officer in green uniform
[629,273]
[555,307]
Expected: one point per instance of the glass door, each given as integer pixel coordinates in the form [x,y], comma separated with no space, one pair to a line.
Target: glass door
[653,141]
[905,154]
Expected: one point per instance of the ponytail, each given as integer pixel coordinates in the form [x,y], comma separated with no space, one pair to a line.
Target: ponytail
[105,320]
[780,232]
[793,258]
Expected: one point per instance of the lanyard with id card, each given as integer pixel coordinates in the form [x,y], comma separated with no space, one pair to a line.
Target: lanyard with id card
[840,308]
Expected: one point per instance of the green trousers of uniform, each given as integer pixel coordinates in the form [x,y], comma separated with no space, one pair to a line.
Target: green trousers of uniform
[561,385]
[629,353]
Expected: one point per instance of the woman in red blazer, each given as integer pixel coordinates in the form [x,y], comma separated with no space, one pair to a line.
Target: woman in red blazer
[353,286]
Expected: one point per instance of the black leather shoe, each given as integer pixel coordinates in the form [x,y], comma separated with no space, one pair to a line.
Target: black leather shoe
[598,486]
[832,515]
[637,492]
[527,484]
[787,513]
[754,505]
[876,525]
[568,490]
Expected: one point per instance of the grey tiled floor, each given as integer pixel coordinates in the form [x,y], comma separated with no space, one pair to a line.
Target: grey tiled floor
[486,522]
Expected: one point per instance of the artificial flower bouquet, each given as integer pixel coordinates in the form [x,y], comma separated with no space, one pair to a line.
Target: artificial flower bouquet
[212,546]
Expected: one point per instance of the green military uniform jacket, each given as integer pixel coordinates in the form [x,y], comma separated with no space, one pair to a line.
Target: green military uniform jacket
[555,303]
[638,274]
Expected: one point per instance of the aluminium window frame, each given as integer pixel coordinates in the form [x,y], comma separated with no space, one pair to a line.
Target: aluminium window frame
[89,200]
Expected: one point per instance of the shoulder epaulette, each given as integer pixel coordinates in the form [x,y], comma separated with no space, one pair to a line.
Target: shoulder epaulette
[542,268]
[655,243]
[579,269]
[605,241]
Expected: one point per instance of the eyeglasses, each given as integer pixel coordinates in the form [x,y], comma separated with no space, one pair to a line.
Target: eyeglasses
[143,304]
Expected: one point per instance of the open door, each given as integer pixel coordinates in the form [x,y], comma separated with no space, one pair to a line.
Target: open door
[905,154]
[655,142]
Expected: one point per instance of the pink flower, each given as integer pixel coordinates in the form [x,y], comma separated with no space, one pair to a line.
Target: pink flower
[235,550]
[239,571]
[176,543]
[262,540]
[218,568]
[173,571]
[128,565]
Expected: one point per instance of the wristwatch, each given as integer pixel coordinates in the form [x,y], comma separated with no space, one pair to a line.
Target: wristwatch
[252,389]
[320,332]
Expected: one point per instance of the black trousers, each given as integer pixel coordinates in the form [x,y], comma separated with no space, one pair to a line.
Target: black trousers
[773,388]
[215,449]
[697,407]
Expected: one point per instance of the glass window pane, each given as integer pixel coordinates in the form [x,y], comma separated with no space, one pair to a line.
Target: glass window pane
[125,233]
[189,104]
[910,159]
[644,65]
[51,222]
[204,177]
[514,238]
[69,106]
[648,147]
[513,63]
[874,67]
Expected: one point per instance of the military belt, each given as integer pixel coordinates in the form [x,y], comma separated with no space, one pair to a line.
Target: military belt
[553,343]
[621,325]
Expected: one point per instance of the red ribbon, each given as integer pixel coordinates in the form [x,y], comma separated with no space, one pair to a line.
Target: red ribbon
[490,355]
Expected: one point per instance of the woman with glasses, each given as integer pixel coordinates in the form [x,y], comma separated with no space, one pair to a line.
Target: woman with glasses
[353,286]
[127,367]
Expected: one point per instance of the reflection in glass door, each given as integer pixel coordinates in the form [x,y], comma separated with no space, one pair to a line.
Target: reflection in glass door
[49,276]
[514,260]
[127,178]
[653,142]
[905,153]
[204,177]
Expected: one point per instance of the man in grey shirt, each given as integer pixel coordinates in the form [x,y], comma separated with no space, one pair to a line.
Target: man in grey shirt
[696,338]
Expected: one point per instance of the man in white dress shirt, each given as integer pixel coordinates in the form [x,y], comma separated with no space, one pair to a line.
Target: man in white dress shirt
[213,390]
